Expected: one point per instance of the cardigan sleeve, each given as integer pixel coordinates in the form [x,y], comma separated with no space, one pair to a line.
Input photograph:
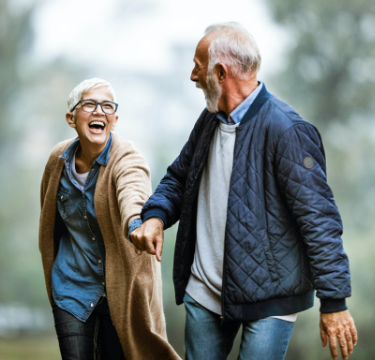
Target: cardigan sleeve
[133,187]
[46,176]
[43,189]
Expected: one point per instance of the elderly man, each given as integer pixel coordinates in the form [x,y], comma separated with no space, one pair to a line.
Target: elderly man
[259,228]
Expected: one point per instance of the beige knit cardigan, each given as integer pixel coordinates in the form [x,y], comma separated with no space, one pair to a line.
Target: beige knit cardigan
[133,282]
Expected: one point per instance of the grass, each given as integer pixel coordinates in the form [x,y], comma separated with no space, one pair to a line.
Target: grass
[30,348]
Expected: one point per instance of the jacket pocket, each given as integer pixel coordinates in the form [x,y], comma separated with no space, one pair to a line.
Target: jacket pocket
[270,259]
[63,204]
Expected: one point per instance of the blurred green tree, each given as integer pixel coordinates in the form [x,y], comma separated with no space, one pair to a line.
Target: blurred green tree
[330,58]
[30,100]
[328,76]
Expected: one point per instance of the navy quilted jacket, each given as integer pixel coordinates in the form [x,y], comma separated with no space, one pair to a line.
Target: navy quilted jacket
[283,231]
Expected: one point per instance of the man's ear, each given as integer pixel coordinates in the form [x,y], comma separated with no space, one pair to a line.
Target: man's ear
[222,72]
[70,119]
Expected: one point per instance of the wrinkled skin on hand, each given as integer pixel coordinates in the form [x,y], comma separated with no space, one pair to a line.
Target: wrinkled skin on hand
[338,326]
[149,237]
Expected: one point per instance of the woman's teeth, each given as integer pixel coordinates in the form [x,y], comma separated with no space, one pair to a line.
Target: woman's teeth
[97,125]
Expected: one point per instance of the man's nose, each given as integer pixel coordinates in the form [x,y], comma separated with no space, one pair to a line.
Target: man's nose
[193,76]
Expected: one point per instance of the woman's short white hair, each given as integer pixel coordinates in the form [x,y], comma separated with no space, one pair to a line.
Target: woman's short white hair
[235,47]
[86,85]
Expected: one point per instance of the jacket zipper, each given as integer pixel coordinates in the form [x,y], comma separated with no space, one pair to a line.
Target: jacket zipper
[222,294]
[225,239]
[223,282]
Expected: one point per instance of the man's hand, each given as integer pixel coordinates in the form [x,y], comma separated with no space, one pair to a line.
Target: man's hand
[338,326]
[149,237]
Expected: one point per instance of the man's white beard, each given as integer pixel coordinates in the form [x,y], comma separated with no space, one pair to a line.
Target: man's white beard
[212,93]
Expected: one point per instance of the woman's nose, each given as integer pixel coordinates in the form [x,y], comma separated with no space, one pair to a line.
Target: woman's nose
[99,110]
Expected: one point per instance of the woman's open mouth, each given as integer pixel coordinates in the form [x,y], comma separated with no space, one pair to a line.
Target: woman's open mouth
[97,127]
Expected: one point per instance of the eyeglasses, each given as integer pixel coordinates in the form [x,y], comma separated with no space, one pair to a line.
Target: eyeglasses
[89,106]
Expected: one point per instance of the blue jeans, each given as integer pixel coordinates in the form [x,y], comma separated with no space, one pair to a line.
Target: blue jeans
[86,340]
[207,339]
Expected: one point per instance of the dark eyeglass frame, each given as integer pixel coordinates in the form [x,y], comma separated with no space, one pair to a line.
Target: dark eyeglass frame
[97,103]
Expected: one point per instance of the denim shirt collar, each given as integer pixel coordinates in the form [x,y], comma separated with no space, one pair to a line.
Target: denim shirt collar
[102,159]
[239,112]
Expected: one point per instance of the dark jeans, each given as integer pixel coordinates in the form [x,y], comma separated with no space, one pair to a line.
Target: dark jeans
[94,339]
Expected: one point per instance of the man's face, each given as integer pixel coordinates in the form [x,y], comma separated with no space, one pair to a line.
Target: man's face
[96,126]
[205,79]
[199,73]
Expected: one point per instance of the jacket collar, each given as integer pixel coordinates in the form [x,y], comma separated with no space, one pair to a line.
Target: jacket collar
[259,101]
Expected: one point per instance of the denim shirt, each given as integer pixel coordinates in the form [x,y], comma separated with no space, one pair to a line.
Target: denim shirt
[78,273]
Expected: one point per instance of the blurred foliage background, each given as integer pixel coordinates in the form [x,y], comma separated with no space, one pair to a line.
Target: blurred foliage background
[325,69]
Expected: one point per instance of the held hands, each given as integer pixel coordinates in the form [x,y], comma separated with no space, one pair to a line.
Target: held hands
[338,326]
[149,237]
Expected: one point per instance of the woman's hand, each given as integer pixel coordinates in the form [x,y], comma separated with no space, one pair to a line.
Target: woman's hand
[149,237]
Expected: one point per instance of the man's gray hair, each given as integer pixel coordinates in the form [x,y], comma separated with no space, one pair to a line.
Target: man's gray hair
[235,47]
[86,85]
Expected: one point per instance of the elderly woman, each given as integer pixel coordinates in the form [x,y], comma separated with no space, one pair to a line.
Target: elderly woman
[106,300]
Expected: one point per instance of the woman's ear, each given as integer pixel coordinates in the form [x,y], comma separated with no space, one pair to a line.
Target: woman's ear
[70,120]
[115,122]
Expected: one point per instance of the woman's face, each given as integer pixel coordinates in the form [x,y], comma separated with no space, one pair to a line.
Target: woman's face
[94,127]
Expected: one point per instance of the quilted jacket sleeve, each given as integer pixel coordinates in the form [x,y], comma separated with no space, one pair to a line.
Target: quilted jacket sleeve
[301,176]
[166,202]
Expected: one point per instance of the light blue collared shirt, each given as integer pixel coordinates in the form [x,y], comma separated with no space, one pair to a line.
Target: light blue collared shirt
[239,112]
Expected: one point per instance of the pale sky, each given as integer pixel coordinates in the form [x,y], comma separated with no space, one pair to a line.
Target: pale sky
[137,35]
